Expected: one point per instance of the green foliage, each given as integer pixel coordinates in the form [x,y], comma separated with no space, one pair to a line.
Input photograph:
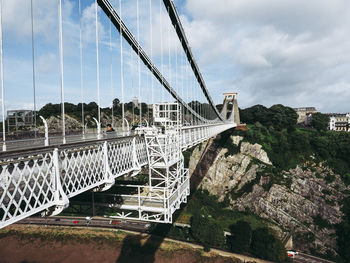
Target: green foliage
[274,129]
[206,231]
[231,147]
[187,155]
[319,121]
[278,116]
[265,245]
[90,109]
[241,234]
[202,201]
[343,233]
[320,222]
[326,192]
[286,149]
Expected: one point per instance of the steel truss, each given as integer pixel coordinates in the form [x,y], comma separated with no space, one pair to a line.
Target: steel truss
[168,180]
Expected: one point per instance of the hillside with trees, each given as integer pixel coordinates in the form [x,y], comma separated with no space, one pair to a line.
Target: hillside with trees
[304,177]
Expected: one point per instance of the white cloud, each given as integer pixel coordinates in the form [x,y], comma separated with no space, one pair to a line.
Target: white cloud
[89,24]
[288,52]
[293,52]
[17,17]
[47,63]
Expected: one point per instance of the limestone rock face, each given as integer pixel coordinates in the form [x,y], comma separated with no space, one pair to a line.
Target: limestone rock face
[236,139]
[233,171]
[309,207]
[255,151]
[55,123]
[303,202]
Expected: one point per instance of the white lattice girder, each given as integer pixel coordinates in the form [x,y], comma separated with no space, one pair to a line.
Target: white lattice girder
[29,180]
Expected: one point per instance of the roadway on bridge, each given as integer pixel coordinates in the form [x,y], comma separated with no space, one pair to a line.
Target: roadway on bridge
[24,144]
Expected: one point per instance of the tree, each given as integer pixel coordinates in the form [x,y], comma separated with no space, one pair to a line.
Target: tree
[116,103]
[343,233]
[241,234]
[206,231]
[50,110]
[254,114]
[281,117]
[267,246]
[277,116]
[319,121]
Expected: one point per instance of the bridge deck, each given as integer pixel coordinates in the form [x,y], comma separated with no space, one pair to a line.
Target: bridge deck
[32,180]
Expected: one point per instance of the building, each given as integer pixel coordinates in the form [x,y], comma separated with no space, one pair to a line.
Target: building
[304,114]
[135,102]
[18,119]
[339,122]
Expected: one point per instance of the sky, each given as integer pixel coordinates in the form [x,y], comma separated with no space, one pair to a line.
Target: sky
[290,52]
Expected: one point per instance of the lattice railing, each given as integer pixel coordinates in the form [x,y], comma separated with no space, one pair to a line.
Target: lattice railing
[33,182]
[27,185]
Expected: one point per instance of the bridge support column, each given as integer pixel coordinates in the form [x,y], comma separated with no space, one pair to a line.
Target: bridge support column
[136,165]
[60,198]
[108,176]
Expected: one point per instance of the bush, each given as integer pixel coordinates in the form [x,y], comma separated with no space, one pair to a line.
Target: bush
[343,233]
[277,116]
[320,222]
[320,121]
[241,234]
[267,246]
[206,231]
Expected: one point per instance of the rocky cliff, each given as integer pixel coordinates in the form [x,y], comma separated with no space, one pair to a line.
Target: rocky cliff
[303,202]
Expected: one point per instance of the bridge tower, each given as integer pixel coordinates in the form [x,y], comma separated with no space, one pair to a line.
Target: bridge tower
[232,113]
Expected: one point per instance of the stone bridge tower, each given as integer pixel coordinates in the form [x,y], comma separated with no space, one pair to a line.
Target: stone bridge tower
[231,112]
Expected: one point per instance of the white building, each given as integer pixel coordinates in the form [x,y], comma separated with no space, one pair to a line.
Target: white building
[339,122]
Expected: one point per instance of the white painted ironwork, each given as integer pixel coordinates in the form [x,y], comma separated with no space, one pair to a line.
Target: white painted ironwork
[34,181]
[30,180]
[98,125]
[168,181]
[46,131]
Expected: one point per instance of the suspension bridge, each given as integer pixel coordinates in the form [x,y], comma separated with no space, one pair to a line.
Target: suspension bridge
[41,174]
